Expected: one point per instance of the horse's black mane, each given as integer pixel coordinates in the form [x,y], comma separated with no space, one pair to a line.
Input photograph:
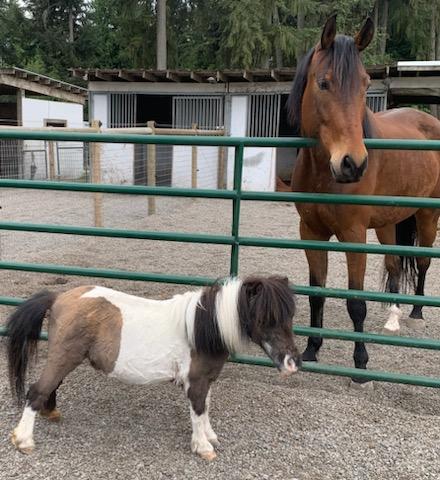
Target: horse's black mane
[344,60]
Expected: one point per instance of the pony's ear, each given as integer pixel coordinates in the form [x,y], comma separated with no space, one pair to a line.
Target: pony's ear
[365,35]
[328,33]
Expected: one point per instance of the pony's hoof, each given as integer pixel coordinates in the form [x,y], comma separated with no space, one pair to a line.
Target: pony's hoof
[209,456]
[415,323]
[51,415]
[361,386]
[389,331]
[309,356]
[214,441]
[24,446]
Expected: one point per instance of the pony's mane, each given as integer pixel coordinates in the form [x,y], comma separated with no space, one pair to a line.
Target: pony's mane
[344,60]
[231,313]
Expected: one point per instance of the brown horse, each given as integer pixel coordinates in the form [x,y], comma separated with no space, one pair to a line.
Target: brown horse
[328,102]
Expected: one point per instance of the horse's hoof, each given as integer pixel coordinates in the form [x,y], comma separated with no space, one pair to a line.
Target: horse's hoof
[389,331]
[25,447]
[209,456]
[362,386]
[415,323]
[51,415]
[309,356]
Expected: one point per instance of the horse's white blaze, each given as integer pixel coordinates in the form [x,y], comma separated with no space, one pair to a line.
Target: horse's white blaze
[23,434]
[154,344]
[393,322]
[228,321]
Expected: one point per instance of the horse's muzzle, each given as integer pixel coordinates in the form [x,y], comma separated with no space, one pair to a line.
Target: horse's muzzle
[349,171]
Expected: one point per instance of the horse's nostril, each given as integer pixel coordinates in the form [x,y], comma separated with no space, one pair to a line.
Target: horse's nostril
[348,163]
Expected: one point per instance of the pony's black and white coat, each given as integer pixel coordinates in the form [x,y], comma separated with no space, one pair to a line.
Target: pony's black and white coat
[185,339]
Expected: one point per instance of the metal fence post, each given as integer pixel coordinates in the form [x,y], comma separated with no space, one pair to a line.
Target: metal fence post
[236,204]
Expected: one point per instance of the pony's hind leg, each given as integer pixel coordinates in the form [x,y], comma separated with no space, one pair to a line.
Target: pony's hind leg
[50,411]
[41,395]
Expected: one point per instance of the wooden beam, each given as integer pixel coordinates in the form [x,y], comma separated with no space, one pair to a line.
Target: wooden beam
[275,75]
[102,76]
[172,76]
[149,76]
[126,76]
[221,77]
[247,75]
[49,91]
[196,77]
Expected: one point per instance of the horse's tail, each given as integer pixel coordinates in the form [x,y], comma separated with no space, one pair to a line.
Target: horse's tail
[24,327]
[406,235]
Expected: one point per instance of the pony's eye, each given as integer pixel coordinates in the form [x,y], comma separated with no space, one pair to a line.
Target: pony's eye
[323,84]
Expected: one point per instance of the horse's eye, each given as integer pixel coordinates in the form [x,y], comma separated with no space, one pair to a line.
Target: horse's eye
[323,84]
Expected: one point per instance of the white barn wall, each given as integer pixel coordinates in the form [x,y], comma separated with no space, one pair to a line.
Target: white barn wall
[35,112]
[207,167]
[117,159]
[259,162]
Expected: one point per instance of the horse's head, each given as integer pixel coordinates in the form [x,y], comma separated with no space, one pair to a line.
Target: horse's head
[266,307]
[328,99]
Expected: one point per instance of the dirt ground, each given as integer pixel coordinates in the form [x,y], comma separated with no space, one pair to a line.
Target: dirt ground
[308,427]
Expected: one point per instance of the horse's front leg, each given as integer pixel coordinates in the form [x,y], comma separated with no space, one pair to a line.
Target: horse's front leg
[318,262]
[357,309]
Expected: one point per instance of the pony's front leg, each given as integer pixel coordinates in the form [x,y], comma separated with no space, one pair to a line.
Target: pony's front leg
[204,369]
[318,263]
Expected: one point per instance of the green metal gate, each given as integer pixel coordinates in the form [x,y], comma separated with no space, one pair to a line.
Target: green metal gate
[235,240]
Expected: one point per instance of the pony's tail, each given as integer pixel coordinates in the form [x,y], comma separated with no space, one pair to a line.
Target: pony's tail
[24,327]
[406,235]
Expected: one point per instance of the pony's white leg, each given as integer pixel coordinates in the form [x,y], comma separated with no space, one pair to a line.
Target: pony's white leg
[392,326]
[210,434]
[22,436]
[199,441]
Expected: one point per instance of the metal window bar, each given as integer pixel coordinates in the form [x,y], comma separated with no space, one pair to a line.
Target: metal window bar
[205,111]
[123,110]
[263,115]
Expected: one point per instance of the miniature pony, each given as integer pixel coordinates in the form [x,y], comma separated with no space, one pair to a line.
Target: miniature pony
[186,339]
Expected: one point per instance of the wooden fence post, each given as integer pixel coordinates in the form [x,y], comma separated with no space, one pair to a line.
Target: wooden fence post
[51,155]
[151,170]
[95,157]
[221,168]
[194,161]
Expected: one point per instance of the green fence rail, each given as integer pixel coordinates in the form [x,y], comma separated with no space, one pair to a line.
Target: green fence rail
[235,241]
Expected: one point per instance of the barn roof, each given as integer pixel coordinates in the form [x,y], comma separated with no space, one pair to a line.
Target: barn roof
[13,78]
[220,76]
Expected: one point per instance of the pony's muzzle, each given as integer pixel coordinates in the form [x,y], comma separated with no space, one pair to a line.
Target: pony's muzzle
[289,365]
[349,170]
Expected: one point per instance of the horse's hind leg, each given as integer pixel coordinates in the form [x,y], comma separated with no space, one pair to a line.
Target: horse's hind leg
[427,231]
[387,236]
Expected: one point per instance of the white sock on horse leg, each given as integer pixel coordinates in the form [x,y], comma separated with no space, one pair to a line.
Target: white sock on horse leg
[393,323]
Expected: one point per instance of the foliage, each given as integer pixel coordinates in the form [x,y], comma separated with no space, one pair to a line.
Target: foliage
[51,36]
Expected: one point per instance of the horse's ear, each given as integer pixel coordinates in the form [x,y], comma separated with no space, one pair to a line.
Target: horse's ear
[328,33]
[365,35]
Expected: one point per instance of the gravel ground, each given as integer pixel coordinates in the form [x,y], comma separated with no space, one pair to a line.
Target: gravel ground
[306,427]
